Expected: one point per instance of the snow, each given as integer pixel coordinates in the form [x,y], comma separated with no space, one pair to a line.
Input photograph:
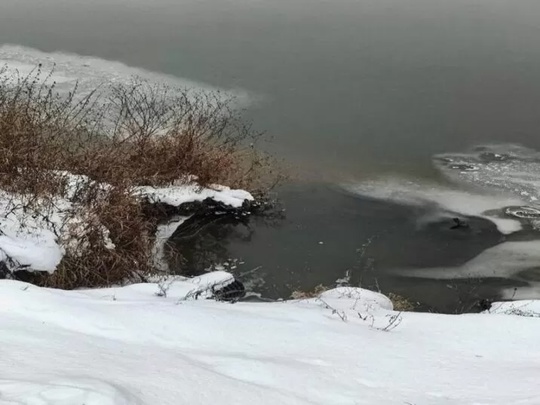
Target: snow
[39,251]
[37,233]
[178,195]
[130,346]
[30,241]
[530,308]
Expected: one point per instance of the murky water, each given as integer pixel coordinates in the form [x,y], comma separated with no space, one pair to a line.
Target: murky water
[351,91]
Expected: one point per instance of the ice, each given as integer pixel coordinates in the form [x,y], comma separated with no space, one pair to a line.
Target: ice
[90,73]
[438,198]
[506,260]
[130,346]
[522,293]
[510,168]
[495,182]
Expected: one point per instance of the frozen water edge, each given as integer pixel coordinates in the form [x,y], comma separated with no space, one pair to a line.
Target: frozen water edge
[495,182]
[505,260]
[91,73]
[129,346]
[443,200]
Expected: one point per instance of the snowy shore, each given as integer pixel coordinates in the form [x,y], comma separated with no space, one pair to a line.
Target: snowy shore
[132,345]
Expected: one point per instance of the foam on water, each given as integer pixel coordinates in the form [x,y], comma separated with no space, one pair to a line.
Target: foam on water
[90,73]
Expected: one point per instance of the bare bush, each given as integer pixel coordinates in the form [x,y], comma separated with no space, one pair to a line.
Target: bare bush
[111,141]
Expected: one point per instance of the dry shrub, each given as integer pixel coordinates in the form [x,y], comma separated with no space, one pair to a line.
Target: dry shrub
[124,136]
[317,291]
[155,135]
[122,255]
[401,303]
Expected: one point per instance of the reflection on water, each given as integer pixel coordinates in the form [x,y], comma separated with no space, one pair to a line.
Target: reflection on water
[202,242]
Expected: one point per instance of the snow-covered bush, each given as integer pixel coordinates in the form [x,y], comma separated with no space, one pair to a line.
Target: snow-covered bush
[77,173]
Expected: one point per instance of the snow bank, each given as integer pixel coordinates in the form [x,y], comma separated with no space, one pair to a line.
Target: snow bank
[30,240]
[178,195]
[527,308]
[365,300]
[129,346]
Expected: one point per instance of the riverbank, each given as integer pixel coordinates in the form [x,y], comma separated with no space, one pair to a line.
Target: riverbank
[88,178]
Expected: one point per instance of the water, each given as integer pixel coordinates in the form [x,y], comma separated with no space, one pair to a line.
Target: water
[351,91]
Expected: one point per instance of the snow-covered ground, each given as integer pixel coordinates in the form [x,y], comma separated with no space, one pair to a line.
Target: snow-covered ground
[130,345]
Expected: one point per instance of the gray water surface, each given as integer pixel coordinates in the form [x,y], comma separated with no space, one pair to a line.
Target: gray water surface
[344,86]
[347,90]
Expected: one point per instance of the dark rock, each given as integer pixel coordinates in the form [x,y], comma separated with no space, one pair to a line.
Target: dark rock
[21,273]
[231,292]
[4,271]
[485,304]
[459,224]
[162,211]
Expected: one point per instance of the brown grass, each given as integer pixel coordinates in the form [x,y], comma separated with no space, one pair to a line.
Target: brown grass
[301,295]
[136,134]
[400,303]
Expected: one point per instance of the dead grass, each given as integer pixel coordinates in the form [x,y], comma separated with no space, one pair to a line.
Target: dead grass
[136,134]
[301,295]
[400,303]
